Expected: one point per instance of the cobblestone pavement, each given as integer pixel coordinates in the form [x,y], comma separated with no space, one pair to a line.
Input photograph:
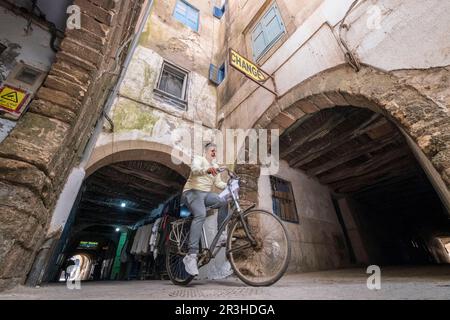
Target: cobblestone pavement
[432,282]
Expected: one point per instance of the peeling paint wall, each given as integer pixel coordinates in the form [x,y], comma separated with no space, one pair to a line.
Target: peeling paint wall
[140,113]
[32,49]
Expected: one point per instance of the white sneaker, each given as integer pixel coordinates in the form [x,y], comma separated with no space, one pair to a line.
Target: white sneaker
[190,264]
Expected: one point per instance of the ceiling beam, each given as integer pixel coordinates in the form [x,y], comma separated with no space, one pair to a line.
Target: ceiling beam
[373,178]
[112,205]
[354,154]
[332,142]
[382,161]
[145,175]
[296,141]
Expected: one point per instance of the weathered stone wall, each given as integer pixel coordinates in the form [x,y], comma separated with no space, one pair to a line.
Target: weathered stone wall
[139,114]
[38,154]
[32,49]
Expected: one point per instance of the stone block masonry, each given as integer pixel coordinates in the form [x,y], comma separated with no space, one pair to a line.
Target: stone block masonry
[37,156]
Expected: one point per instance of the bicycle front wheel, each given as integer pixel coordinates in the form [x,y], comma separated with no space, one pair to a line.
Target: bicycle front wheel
[264,262]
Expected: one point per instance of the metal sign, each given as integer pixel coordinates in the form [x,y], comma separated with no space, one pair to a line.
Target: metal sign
[249,69]
[12,100]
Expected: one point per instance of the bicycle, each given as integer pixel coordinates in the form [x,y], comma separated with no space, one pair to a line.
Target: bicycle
[257,246]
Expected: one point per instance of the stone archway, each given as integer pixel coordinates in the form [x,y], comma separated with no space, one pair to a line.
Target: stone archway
[135,159]
[422,118]
[138,150]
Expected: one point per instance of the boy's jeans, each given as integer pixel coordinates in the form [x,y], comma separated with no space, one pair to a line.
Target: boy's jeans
[197,201]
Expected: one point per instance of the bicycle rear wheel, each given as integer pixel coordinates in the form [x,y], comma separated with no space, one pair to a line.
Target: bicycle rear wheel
[265,262]
[176,249]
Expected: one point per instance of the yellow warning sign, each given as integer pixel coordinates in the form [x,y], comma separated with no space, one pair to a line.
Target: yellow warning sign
[247,67]
[12,99]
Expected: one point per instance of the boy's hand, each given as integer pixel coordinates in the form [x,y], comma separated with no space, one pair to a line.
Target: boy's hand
[212,171]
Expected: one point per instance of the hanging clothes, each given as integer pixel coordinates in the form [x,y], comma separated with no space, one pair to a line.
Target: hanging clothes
[155,237]
[144,239]
[136,241]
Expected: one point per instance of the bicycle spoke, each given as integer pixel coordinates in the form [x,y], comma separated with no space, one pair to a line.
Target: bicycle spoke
[264,262]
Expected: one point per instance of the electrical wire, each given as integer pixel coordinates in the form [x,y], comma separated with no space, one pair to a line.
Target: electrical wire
[350,56]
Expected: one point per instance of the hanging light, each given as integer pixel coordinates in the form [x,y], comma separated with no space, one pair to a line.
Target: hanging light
[123,204]
[117,229]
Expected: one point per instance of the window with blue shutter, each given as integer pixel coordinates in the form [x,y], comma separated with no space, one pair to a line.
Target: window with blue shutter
[218,12]
[186,14]
[217,75]
[267,31]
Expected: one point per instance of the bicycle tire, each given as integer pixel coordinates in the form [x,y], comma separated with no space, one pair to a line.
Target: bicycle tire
[241,262]
[174,261]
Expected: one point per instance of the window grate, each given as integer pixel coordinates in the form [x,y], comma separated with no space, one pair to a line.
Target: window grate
[283,202]
[172,84]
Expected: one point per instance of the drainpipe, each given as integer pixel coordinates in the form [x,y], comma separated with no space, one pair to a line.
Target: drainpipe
[76,177]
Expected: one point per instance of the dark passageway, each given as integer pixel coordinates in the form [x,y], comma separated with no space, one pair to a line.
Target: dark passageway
[114,202]
[366,162]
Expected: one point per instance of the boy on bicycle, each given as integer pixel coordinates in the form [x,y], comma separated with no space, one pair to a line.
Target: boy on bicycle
[197,196]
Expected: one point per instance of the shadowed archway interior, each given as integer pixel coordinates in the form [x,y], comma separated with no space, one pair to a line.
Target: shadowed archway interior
[112,201]
[363,157]
[126,192]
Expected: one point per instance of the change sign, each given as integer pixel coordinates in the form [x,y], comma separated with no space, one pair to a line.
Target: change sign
[12,99]
[247,67]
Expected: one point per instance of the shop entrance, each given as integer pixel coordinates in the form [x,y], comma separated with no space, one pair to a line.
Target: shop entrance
[118,224]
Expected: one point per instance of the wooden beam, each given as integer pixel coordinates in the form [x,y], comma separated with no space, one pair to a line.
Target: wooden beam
[126,181]
[333,142]
[135,195]
[355,184]
[112,205]
[334,120]
[354,154]
[384,161]
[400,182]
[146,176]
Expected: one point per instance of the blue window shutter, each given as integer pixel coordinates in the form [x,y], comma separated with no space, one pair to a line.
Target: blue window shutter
[213,74]
[221,75]
[180,11]
[218,12]
[259,40]
[186,14]
[192,18]
[267,32]
[216,75]
[273,26]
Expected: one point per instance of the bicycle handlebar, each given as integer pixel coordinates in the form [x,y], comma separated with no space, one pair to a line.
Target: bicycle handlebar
[231,174]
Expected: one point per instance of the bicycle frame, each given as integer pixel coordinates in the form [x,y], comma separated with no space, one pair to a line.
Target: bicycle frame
[210,252]
[237,213]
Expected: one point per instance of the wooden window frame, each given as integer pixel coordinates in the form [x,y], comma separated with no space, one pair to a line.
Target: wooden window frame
[179,102]
[291,198]
[272,43]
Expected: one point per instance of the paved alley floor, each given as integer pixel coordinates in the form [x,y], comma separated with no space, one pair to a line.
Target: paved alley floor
[431,282]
